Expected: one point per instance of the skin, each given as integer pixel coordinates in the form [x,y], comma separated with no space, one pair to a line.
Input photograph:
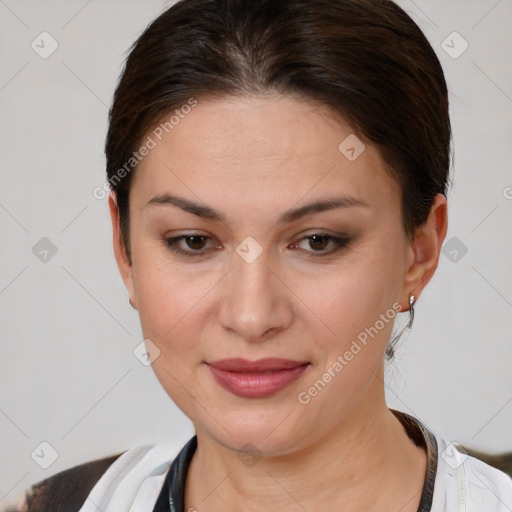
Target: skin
[252,159]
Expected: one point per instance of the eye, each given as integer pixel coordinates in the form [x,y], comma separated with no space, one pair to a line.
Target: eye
[194,244]
[320,243]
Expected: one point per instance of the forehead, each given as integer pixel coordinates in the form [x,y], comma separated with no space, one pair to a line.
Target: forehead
[260,148]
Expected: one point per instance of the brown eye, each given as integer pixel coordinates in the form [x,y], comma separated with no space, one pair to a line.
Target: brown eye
[193,245]
[320,243]
[196,242]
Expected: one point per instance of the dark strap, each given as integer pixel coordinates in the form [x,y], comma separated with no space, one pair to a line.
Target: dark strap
[421,436]
[68,490]
[171,497]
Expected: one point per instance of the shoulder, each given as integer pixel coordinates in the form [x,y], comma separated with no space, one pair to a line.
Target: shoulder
[464,479]
[486,485]
[66,490]
[117,477]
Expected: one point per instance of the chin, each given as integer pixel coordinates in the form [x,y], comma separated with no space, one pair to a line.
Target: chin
[268,433]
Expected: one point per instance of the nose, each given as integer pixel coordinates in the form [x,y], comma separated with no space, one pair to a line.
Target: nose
[255,303]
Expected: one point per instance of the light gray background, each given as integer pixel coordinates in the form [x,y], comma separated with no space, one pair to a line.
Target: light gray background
[68,374]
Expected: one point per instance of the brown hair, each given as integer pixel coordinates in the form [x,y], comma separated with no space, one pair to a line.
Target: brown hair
[365,59]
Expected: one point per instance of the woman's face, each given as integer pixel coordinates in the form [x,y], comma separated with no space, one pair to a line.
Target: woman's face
[254,236]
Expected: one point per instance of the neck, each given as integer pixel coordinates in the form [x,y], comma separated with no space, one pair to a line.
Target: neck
[368,463]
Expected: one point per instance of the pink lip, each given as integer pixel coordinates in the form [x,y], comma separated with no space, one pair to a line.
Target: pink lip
[256,379]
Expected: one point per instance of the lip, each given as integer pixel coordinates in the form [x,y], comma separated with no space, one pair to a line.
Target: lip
[256,379]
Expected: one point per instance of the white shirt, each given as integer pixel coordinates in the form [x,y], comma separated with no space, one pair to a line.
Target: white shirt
[462,483]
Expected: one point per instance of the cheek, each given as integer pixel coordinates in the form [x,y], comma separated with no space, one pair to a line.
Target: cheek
[351,297]
[355,305]
[169,301]
[172,313]
[165,295]
[351,334]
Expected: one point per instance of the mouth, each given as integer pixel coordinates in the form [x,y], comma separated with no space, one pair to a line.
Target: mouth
[256,379]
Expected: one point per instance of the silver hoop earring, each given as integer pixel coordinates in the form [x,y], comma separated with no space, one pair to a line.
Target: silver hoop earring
[412,300]
[391,347]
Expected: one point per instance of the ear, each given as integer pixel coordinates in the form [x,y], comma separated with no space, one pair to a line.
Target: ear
[122,259]
[424,251]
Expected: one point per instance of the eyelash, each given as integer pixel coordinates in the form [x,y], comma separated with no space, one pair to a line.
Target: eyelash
[172,244]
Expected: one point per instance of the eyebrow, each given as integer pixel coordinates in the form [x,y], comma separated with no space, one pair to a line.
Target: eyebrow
[292,215]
